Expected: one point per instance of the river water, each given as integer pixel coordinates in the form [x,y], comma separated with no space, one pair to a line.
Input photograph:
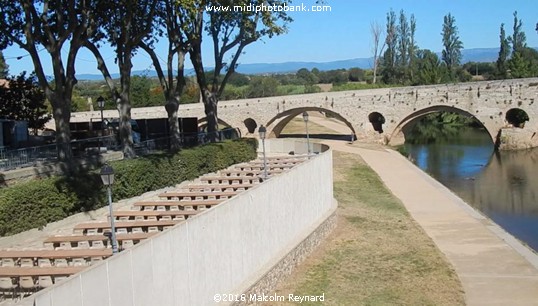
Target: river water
[502,185]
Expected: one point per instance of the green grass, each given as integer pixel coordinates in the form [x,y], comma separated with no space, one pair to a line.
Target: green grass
[377,255]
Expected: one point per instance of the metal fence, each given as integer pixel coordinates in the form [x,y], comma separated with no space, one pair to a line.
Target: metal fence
[31,156]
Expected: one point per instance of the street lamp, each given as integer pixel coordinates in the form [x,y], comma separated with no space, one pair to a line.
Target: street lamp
[107,176]
[262,130]
[305,118]
[101,105]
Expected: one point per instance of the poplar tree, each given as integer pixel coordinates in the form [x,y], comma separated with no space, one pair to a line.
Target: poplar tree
[389,57]
[504,53]
[452,44]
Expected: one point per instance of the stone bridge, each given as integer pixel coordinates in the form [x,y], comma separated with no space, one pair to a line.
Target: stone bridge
[360,110]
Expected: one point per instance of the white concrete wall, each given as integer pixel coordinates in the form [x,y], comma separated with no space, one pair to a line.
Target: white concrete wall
[221,251]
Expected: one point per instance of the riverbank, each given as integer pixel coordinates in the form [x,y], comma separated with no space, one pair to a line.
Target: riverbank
[377,255]
[494,267]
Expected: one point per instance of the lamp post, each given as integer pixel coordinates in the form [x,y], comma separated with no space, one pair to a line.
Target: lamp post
[101,105]
[262,130]
[107,176]
[305,118]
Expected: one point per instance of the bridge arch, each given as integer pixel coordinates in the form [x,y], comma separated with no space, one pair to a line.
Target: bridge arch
[202,124]
[408,121]
[517,117]
[277,123]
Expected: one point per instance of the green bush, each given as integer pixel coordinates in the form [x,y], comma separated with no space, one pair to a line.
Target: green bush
[36,203]
[357,86]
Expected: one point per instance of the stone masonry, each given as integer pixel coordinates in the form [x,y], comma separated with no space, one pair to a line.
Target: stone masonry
[488,101]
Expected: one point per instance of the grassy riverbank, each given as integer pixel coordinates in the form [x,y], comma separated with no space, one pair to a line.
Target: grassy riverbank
[377,255]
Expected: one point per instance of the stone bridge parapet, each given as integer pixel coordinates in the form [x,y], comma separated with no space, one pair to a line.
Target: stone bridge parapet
[488,101]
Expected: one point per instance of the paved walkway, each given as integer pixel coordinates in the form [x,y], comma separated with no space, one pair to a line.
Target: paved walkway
[494,268]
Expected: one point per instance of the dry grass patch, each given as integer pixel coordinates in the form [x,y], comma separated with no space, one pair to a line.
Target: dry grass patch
[377,255]
[297,126]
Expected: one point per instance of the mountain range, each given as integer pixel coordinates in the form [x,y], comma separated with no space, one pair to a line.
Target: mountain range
[468,55]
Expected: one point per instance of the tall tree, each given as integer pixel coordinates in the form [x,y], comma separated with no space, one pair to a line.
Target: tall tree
[3,67]
[172,80]
[504,53]
[403,41]
[124,25]
[452,45]
[412,46]
[22,99]
[518,38]
[524,60]
[52,26]
[377,32]
[389,57]
[230,30]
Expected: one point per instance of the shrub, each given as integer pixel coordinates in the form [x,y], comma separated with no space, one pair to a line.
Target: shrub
[36,203]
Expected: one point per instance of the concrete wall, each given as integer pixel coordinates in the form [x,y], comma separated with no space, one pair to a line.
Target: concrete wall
[221,251]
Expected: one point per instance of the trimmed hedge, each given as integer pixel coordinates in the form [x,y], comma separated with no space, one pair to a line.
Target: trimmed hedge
[34,204]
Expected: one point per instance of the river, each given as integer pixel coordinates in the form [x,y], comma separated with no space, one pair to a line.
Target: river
[502,185]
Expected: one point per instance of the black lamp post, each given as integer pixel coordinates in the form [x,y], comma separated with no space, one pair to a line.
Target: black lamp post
[262,130]
[101,105]
[305,119]
[107,176]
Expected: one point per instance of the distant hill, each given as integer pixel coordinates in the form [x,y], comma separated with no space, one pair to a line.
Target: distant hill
[469,55]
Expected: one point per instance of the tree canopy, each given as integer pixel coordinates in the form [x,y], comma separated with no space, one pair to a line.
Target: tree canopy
[56,27]
[22,99]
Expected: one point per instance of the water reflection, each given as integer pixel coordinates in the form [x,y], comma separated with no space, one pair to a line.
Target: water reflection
[502,185]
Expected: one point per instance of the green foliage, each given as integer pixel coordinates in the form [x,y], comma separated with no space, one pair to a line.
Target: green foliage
[24,100]
[3,67]
[484,69]
[140,95]
[307,77]
[357,86]
[429,69]
[523,64]
[452,44]
[388,62]
[504,52]
[437,127]
[232,92]
[36,203]
[262,87]
[238,79]
[338,76]
[356,75]
[311,89]
[518,38]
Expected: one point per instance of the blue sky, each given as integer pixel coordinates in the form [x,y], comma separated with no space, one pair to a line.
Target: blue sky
[344,32]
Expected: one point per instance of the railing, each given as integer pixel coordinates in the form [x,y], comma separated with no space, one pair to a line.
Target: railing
[31,156]
[165,143]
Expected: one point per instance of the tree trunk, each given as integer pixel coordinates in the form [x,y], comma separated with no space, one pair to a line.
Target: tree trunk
[175,137]
[210,106]
[125,130]
[62,116]
[376,61]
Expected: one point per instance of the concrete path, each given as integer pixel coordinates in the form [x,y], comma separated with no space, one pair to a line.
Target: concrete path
[494,267]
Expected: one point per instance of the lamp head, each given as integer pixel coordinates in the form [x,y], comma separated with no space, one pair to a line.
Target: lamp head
[262,130]
[107,175]
[101,102]
[305,116]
